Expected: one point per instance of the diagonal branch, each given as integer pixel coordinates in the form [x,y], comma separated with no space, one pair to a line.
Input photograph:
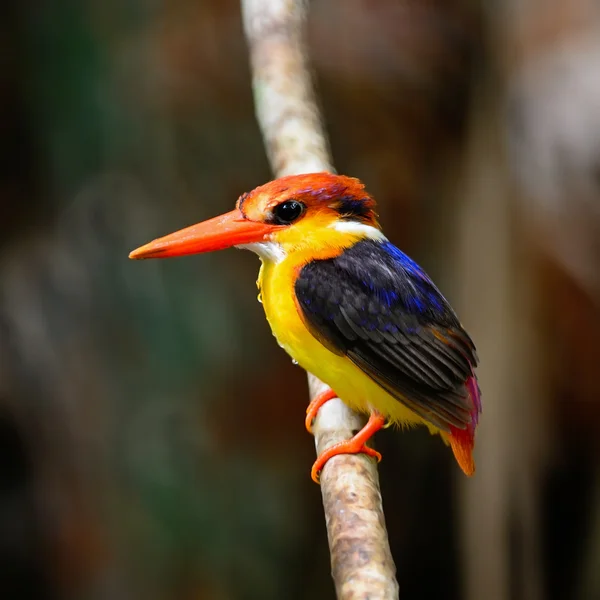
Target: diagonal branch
[287,112]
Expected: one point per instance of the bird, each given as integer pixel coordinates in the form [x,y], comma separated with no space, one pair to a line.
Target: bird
[349,307]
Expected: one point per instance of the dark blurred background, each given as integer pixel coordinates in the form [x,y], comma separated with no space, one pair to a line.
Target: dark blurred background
[151,431]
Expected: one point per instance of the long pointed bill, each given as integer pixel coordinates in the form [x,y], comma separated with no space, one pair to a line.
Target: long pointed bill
[224,231]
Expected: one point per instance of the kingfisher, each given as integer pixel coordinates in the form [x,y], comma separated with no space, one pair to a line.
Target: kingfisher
[350,307]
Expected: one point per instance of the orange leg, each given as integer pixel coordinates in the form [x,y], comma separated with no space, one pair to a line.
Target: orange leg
[315,405]
[354,445]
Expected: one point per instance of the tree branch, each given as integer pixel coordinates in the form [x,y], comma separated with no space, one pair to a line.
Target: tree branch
[287,112]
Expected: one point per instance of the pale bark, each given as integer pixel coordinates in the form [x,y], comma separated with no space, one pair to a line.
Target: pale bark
[288,114]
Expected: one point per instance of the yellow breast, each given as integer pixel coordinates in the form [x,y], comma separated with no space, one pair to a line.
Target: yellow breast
[276,281]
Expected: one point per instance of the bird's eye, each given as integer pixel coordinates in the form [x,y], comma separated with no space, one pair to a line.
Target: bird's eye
[287,212]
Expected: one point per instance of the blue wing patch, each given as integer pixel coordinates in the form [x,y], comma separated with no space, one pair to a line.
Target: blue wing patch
[378,307]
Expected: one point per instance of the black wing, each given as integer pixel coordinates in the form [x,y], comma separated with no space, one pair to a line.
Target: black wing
[379,308]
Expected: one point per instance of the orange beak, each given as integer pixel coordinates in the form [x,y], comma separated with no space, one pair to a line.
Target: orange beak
[224,231]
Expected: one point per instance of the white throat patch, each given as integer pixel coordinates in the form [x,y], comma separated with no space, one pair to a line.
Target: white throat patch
[271,251]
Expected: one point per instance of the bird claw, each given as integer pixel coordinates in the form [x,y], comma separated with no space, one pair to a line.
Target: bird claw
[315,405]
[340,448]
[355,445]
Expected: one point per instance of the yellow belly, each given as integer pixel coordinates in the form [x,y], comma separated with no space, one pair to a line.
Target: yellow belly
[349,382]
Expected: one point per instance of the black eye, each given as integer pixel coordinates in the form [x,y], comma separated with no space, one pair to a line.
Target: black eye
[287,212]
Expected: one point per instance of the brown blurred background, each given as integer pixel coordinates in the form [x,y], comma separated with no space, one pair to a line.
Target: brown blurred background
[151,431]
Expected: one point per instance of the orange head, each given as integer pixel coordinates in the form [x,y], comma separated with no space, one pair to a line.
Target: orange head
[315,212]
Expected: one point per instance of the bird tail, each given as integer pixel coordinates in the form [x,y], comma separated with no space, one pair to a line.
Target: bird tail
[462,441]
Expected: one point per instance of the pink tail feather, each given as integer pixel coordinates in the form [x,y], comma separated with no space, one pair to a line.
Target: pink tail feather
[462,441]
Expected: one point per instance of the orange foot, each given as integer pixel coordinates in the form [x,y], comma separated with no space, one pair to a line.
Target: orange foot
[315,405]
[354,445]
